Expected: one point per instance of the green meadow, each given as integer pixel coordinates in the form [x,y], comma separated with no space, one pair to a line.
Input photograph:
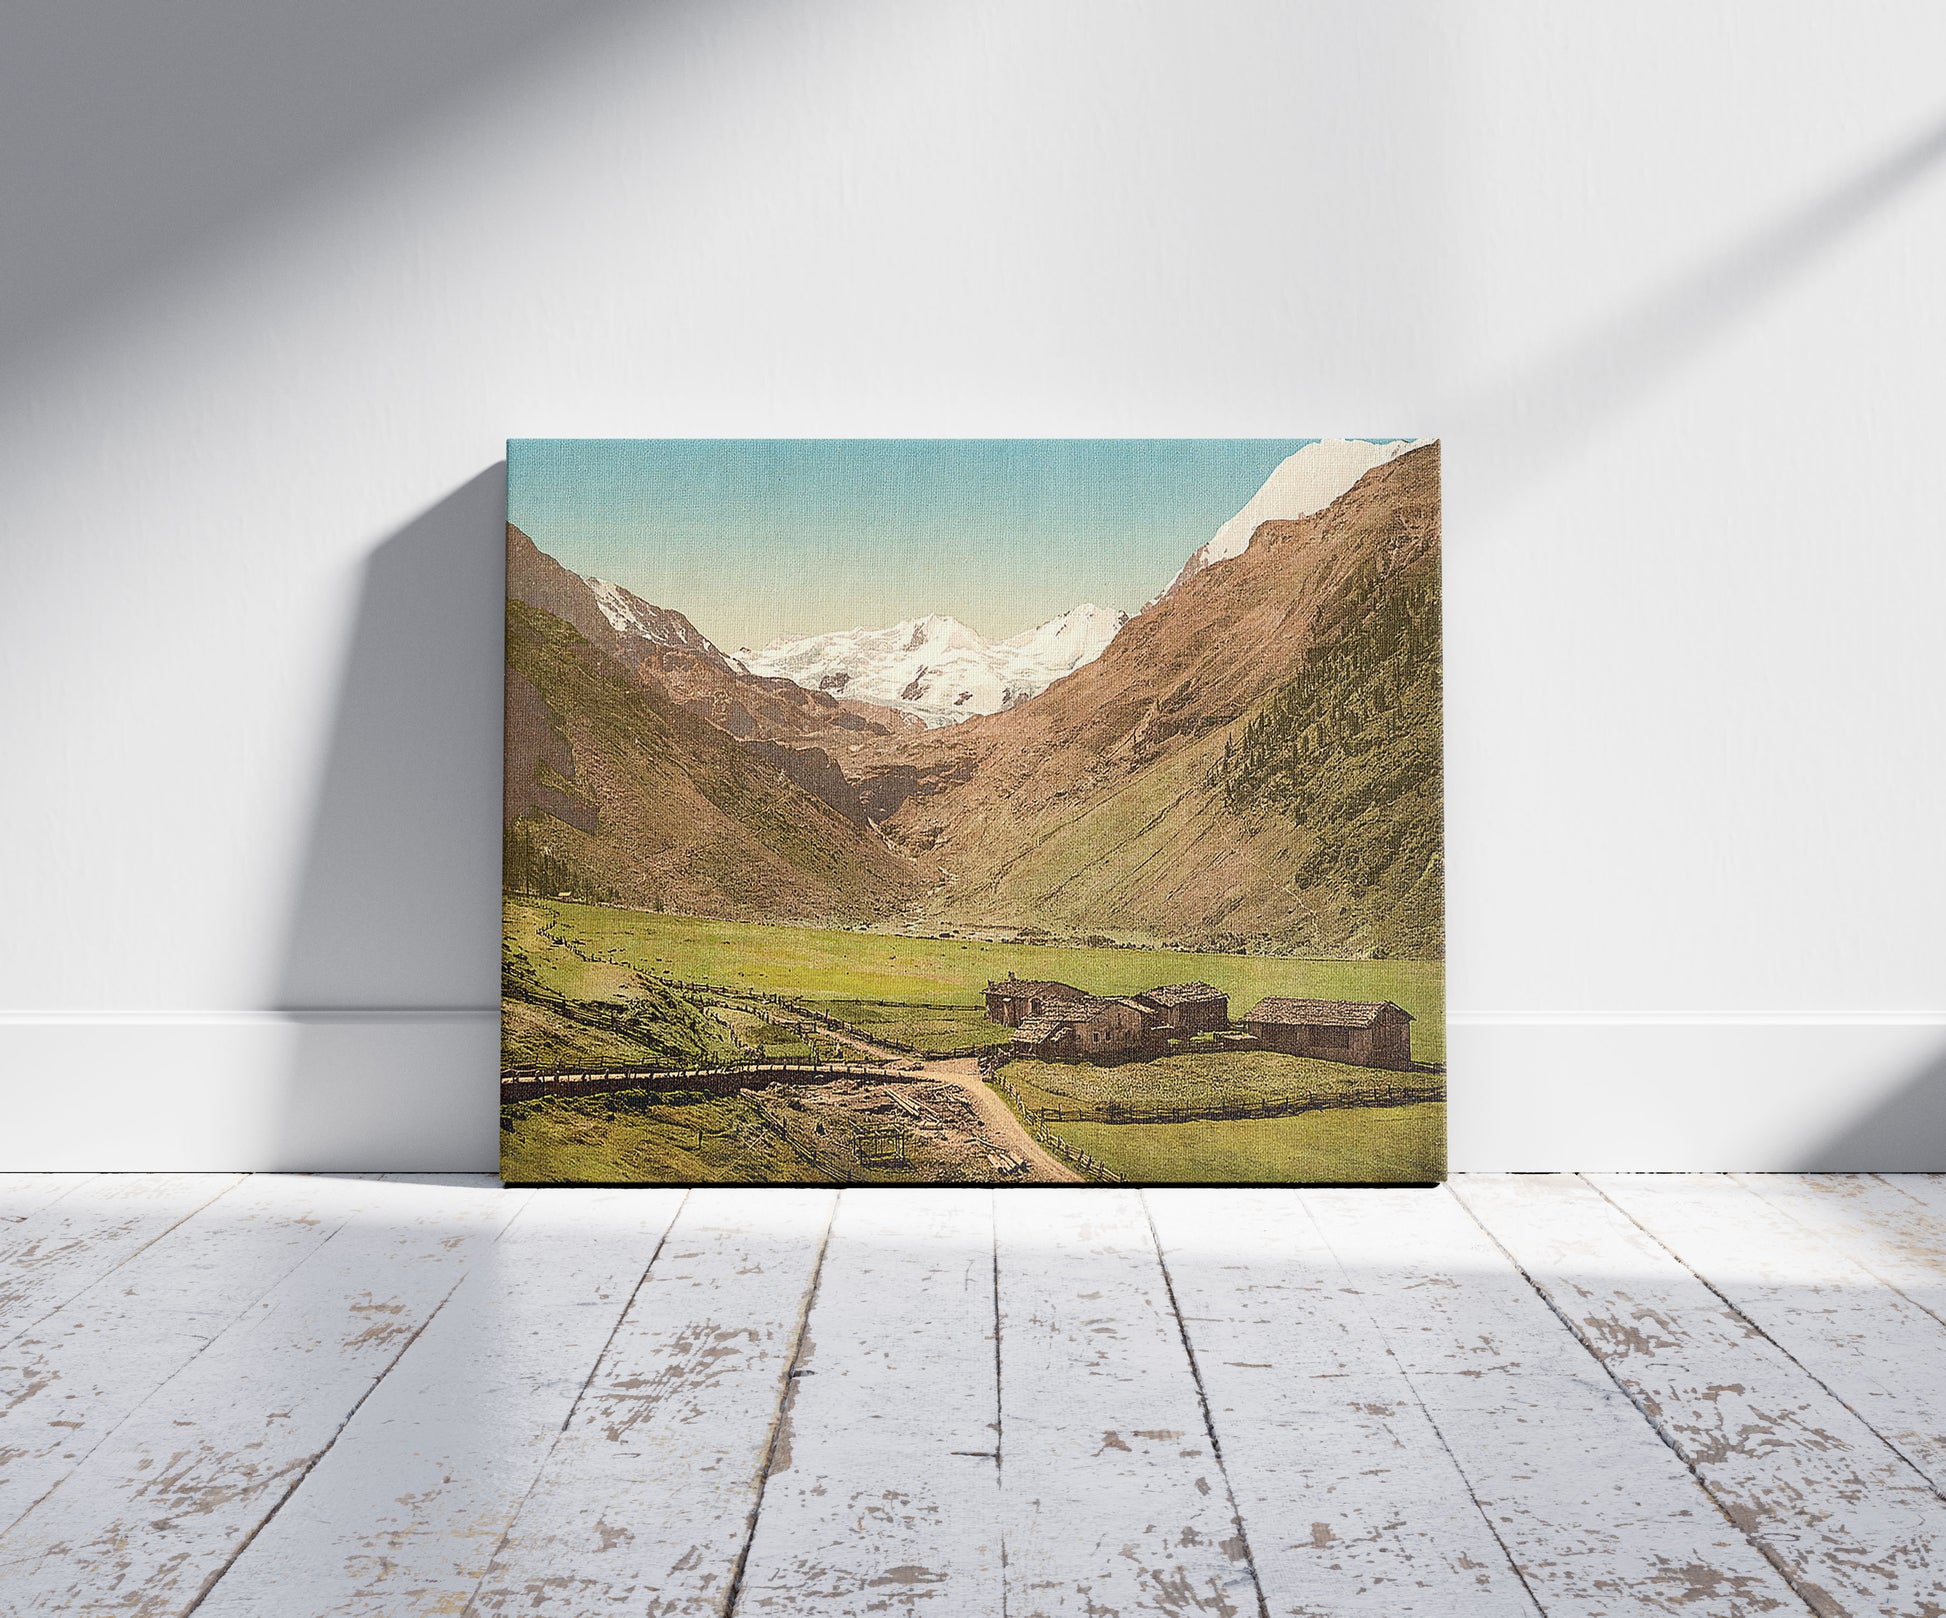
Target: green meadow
[924,1027]
[634,1138]
[580,949]
[1208,1079]
[1341,1146]
[581,982]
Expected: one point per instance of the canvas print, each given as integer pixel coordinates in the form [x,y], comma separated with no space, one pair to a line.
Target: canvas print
[1001,812]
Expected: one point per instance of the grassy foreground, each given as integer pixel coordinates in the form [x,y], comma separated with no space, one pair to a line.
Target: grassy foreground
[578,949]
[1213,1079]
[576,1140]
[1346,1145]
[581,982]
[928,1028]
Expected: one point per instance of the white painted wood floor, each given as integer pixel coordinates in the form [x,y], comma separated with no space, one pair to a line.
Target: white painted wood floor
[285,1396]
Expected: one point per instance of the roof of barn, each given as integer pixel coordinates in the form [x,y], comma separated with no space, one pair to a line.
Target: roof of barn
[1182,994]
[1322,1013]
[1038,986]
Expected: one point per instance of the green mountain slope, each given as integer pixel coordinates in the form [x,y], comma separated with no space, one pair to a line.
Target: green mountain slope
[1349,755]
[617,793]
[1252,764]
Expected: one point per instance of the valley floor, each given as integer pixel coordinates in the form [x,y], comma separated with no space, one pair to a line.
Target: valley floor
[600,987]
[1511,1397]
[596,942]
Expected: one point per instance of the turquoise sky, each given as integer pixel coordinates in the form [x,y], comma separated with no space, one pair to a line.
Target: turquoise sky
[756,538]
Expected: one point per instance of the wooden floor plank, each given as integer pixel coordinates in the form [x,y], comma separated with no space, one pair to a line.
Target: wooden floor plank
[403,1514]
[1928,1189]
[1600,1517]
[23,1194]
[1350,1500]
[646,1503]
[62,1248]
[1874,1349]
[72,1378]
[348,1398]
[1852,1524]
[1894,1224]
[155,1513]
[884,1496]
[1113,1499]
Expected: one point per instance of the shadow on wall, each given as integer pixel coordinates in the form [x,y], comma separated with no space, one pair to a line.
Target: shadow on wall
[391,957]
[136,139]
[1906,1133]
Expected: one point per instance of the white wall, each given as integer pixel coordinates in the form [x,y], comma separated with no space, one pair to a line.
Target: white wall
[1665,278]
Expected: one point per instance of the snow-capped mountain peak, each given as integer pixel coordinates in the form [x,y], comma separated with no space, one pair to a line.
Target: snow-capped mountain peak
[937,667]
[1077,636]
[940,633]
[1301,484]
[628,614]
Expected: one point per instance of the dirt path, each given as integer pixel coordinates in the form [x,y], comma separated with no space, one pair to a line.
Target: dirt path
[1001,1122]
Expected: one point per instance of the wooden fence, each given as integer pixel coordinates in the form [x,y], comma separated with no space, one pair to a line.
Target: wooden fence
[1118,1113]
[824,1019]
[764,997]
[837,1173]
[529,1083]
[872,1036]
[1089,1164]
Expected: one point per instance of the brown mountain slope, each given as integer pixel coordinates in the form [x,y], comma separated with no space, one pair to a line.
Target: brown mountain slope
[1103,804]
[616,792]
[537,579]
[669,652]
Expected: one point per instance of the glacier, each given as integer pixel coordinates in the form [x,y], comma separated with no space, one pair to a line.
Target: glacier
[937,668]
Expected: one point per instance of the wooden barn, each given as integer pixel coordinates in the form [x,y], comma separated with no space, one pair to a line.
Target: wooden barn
[1185,1009]
[1366,1033]
[1088,1027]
[1016,1000]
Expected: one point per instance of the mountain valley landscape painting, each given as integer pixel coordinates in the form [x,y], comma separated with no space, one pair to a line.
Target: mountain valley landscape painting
[976,811]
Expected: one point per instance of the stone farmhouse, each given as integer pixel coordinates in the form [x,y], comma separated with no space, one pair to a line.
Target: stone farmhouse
[1363,1032]
[1189,1008]
[1058,1019]
[1091,1026]
[1014,1001]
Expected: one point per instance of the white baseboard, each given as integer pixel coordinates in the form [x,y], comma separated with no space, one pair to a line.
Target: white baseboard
[250,1090]
[1758,1093]
[416,1090]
